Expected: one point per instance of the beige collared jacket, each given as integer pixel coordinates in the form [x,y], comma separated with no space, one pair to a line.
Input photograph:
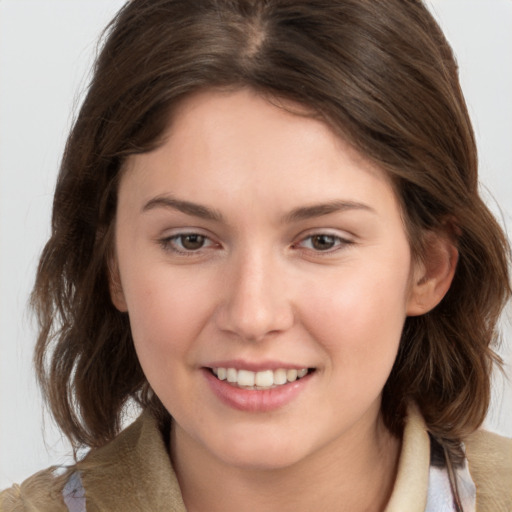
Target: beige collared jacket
[134,473]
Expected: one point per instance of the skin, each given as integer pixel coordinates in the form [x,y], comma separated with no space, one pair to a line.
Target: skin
[259,287]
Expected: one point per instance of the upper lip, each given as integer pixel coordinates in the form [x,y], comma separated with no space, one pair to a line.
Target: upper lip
[255,366]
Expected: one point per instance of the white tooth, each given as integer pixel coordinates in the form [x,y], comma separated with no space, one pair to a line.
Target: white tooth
[231,375]
[302,372]
[291,375]
[221,373]
[280,376]
[214,370]
[264,378]
[245,378]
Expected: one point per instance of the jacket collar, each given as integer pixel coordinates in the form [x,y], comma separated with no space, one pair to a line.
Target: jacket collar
[133,472]
[411,484]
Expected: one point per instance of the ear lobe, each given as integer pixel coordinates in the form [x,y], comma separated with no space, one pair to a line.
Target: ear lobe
[432,276]
[115,286]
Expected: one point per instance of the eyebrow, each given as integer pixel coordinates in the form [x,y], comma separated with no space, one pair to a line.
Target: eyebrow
[297,214]
[187,207]
[317,210]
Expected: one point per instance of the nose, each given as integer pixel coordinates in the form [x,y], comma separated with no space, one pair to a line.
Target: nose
[255,301]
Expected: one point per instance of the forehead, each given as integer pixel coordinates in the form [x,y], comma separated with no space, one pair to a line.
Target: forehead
[226,143]
[204,109]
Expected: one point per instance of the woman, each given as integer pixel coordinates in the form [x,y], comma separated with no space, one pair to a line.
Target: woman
[267,227]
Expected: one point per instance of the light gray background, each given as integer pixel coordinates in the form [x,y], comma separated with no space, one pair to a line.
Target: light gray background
[46,49]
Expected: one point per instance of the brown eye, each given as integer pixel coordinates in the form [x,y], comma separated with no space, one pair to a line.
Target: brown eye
[191,242]
[187,244]
[323,242]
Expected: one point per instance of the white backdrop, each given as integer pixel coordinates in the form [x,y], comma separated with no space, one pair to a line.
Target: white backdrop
[46,48]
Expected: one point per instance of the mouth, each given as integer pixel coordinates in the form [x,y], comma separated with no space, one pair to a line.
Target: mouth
[261,380]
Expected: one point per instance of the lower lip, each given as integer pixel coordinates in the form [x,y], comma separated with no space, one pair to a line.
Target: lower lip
[251,400]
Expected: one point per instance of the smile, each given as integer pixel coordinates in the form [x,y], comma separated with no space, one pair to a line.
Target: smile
[264,390]
[266,379]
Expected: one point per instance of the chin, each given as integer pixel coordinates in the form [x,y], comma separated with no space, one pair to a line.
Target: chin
[262,453]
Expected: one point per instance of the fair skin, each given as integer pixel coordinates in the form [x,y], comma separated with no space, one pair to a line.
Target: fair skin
[255,241]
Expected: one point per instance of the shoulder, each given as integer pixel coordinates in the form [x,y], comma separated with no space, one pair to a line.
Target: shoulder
[490,464]
[44,491]
[41,492]
[132,472]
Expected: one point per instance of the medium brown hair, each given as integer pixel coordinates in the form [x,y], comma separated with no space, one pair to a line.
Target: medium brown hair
[380,73]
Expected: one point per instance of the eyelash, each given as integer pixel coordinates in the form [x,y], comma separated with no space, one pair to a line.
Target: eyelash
[170,244]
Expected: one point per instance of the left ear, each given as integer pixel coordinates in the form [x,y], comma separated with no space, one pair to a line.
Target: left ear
[433,275]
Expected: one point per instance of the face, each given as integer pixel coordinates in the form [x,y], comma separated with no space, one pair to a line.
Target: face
[266,272]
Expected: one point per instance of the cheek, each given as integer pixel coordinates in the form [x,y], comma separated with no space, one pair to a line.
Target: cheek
[358,315]
[167,312]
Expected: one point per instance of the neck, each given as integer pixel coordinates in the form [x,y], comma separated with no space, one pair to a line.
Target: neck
[355,473]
